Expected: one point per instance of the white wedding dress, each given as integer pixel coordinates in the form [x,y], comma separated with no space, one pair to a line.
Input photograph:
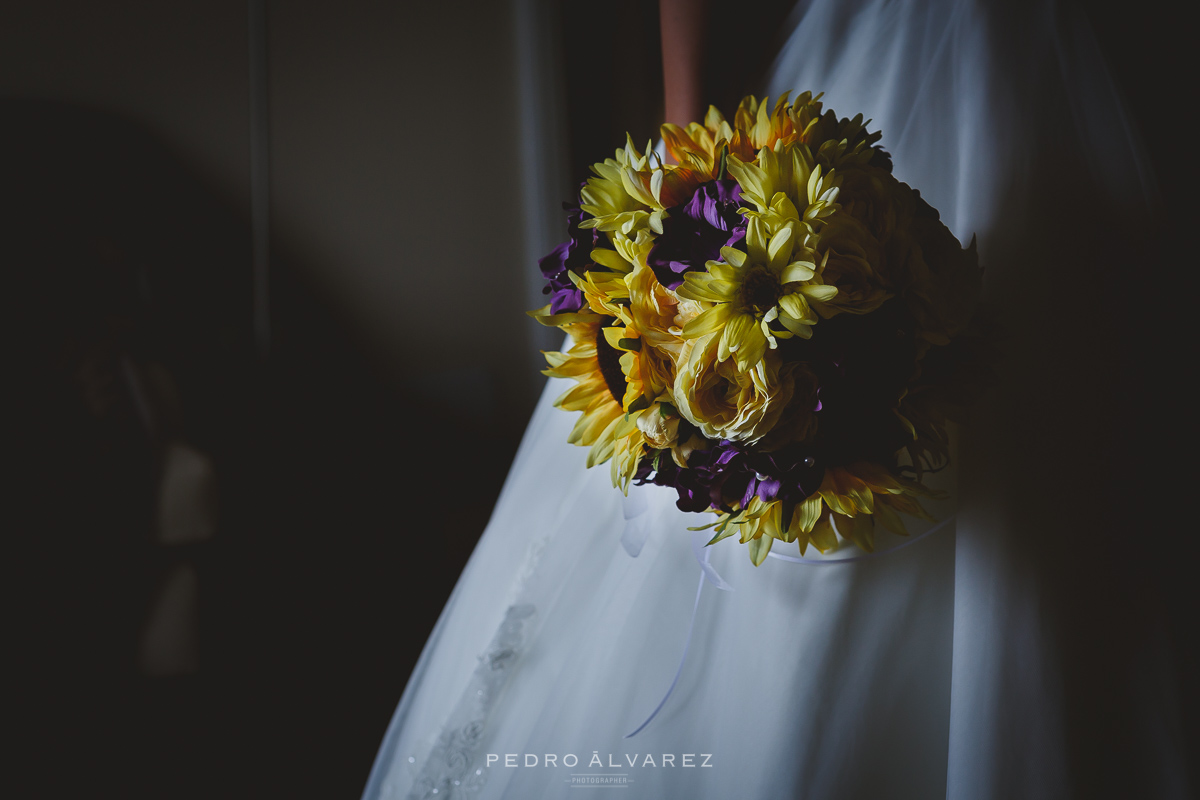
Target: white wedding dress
[935,670]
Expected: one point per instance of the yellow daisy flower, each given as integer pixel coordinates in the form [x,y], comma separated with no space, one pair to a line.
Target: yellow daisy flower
[631,192]
[851,499]
[792,172]
[774,280]
[755,125]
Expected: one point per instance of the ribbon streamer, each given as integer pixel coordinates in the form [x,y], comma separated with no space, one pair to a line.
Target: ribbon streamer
[678,670]
[864,556]
[710,574]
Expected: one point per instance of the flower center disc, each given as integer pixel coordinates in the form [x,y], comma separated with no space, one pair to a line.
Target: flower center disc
[761,290]
[609,360]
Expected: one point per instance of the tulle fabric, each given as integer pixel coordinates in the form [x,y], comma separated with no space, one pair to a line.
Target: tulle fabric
[1003,116]
[801,681]
[930,672]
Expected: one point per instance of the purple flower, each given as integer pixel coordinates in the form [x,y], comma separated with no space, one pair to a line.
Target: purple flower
[730,472]
[687,483]
[573,255]
[863,364]
[695,232]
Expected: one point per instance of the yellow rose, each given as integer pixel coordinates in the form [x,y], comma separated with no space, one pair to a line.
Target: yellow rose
[661,430]
[876,199]
[941,279]
[957,279]
[724,402]
[851,260]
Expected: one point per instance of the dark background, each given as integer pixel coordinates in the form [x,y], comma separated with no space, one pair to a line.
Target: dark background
[356,465]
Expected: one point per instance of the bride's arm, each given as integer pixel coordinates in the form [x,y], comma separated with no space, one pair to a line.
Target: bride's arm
[682,23]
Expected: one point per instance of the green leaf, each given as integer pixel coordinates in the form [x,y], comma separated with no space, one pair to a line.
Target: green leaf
[640,403]
[722,535]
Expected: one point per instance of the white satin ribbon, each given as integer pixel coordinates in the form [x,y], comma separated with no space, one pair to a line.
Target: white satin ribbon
[637,528]
[710,574]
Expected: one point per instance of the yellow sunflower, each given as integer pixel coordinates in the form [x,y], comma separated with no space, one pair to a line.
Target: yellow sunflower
[596,366]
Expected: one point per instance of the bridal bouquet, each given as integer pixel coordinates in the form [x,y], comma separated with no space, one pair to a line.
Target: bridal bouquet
[767,326]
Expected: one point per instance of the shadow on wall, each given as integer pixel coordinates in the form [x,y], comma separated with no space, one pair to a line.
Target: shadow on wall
[395,190]
[227,566]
